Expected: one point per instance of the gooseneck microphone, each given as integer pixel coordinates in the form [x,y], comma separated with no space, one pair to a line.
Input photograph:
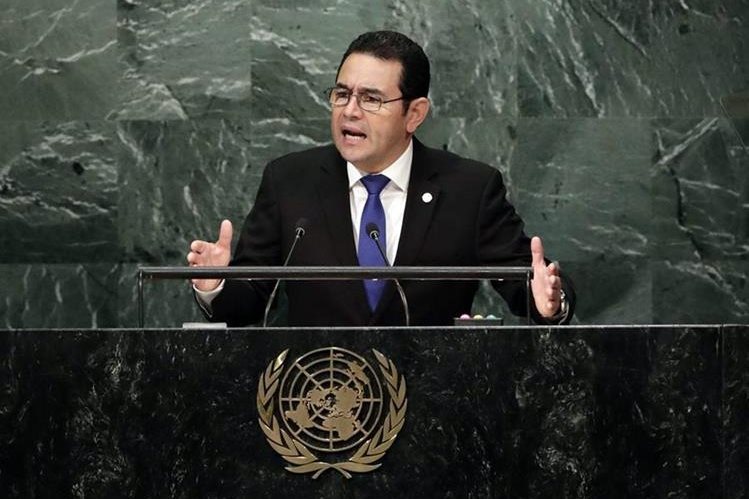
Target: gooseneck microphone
[374,234]
[299,232]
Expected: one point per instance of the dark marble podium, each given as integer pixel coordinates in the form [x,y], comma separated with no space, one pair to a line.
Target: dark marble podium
[492,412]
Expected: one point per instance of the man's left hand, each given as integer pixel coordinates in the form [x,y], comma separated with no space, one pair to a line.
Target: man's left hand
[546,284]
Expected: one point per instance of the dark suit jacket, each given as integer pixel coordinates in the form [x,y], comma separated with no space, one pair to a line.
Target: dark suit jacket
[468,222]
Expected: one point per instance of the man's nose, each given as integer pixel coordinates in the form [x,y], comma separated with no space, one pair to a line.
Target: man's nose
[352,108]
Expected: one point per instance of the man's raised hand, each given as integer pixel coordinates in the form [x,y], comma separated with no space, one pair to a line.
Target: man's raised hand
[207,254]
[546,284]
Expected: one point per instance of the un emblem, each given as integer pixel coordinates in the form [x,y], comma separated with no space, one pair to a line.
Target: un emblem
[331,401]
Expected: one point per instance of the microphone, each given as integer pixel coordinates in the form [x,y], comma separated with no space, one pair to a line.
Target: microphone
[374,234]
[298,234]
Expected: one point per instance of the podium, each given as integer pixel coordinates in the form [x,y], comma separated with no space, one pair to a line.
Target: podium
[651,411]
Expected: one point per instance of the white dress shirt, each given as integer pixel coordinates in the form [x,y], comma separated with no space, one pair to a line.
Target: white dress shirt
[393,198]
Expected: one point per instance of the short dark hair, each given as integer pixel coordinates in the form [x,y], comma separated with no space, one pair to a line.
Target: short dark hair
[391,45]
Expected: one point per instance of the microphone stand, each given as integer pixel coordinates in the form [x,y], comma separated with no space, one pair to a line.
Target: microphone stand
[299,233]
[374,234]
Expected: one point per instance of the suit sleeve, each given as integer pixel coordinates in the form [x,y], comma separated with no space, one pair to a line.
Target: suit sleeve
[502,241]
[242,302]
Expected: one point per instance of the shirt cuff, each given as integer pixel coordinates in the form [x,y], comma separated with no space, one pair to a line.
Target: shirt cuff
[205,298]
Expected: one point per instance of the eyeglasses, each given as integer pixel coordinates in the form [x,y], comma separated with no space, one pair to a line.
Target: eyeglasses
[340,97]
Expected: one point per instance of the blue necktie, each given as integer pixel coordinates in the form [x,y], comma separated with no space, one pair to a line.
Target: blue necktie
[369,255]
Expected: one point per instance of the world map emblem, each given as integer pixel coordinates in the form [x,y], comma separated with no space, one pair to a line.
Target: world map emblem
[332,403]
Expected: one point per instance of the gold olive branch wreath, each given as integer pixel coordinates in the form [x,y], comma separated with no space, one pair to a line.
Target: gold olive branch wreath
[301,459]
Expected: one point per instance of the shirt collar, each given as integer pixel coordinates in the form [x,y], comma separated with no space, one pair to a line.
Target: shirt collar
[398,172]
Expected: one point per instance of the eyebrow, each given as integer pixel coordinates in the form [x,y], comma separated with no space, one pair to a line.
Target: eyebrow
[368,90]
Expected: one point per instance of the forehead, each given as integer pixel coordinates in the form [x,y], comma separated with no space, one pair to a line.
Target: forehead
[369,72]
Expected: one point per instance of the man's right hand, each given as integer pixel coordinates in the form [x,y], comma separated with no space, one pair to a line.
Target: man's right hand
[206,254]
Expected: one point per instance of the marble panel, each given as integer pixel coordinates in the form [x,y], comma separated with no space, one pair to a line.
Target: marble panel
[490,140]
[583,185]
[57,59]
[701,292]
[700,191]
[167,303]
[291,69]
[184,59]
[472,48]
[276,137]
[658,417]
[615,290]
[736,110]
[58,189]
[579,412]
[177,181]
[636,59]
[618,291]
[296,50]
[736,411]
[85,400]
[59,296]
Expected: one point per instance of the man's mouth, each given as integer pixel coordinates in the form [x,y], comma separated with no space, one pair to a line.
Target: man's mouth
[353,135]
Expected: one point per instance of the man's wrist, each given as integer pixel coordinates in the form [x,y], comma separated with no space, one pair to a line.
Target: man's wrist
[564,309]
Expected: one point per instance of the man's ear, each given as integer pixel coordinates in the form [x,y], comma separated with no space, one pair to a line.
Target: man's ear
[416,113]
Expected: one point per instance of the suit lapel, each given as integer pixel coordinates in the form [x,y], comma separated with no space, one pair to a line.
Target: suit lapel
[422,197]
[416,218]
[333,194]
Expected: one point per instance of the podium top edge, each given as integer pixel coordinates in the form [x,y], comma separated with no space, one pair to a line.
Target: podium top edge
[338,272]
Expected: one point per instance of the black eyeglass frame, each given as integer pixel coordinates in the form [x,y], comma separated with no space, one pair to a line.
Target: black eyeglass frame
[329,93]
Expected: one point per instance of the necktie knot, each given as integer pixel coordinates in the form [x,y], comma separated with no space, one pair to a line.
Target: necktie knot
[374,183]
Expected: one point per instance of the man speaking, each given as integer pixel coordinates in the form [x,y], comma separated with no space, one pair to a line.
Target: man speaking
[428,208]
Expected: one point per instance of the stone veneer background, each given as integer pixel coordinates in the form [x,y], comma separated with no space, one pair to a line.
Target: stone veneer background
[129,128]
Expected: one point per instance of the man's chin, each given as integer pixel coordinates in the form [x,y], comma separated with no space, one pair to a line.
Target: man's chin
[351,153]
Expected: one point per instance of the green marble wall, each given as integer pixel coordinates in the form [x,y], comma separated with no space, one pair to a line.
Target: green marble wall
[129,128]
